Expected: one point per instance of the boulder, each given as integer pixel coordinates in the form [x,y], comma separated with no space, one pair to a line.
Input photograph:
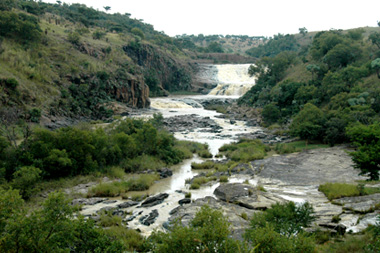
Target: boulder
[154,200]
[165,172]
[230,192]
[184,201]
[149,219]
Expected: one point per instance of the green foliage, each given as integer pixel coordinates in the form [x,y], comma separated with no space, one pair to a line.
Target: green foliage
[35,115]
[131,239]
[244,150]
[308,123]
[136,31]
[6,5]
[375,64]
[208,231]
[340,190]
[375,39]
[20,27]
[271,114]
[48,229]
[287,219]
[223,179]
[296,146]
[74,38]
[130,145]
[25,179]
[279,229]
[279,43]
[113,189]
[367,155]
[98,34]
[214,47]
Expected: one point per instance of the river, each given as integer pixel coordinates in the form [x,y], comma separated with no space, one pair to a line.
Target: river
[231,82]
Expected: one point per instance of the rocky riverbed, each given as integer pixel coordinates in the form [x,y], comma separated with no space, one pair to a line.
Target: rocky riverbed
[294,177]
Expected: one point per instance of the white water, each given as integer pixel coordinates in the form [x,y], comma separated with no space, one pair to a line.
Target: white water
[231,79]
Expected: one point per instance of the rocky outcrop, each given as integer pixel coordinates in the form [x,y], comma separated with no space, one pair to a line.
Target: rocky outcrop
[165,172]
[135,93]
[360,204]
[230,192]
[189,123]
[312,167]
[171,73]
[149,219]
[155,200]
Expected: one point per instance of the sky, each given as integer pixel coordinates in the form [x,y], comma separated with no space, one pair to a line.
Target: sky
[244,17]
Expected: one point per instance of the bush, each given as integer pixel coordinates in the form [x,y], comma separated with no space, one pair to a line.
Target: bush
[74,38]
[131,239]
[25,179]
[207,232]
[286,219]
[244,150]
[223,179]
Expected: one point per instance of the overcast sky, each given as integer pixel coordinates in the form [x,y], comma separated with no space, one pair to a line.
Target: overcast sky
[244,17]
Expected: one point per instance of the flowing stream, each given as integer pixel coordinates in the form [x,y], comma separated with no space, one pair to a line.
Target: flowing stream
[231,81]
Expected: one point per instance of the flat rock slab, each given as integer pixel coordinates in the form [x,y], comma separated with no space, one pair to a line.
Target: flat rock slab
[311,167]
[89,201]
[361,204]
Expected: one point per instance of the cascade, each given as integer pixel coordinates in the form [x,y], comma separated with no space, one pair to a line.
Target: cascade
[231,79]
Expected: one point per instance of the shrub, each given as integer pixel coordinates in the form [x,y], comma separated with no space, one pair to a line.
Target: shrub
[74,38]
[286,219]
[131,239]
[223,179]
[244,150]
[25,179]
[108,220]
[207,232]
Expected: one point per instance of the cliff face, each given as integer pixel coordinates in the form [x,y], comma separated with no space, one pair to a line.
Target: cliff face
[134,93]
[161,70]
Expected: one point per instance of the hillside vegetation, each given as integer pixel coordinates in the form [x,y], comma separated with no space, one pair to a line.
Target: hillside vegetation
[326,91]
[71,60]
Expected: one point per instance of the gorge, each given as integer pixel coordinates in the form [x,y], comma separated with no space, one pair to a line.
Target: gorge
[293,177]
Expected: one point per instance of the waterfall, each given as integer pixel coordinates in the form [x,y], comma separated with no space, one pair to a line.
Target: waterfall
[231,79]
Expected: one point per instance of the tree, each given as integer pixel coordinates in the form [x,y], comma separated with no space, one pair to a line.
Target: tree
[6,5]
[136,31]
[308,123]
[303,31]
[367,155]
[375,38]
[25,179]
[271,114]
[375,64]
